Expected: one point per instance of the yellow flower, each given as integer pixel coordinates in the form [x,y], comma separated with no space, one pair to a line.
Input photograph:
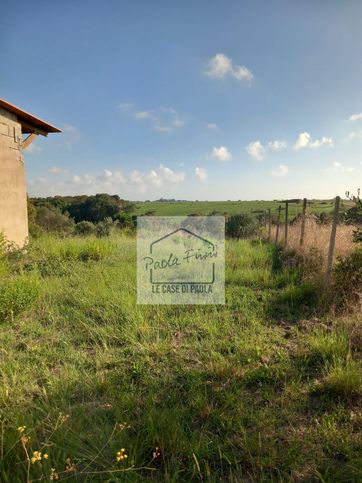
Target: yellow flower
[121,454]
[21,429]
[36,456]
[46,456]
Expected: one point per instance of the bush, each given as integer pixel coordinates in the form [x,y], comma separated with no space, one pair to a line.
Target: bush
[347,280]
[103,228]
[125,220]
[309,263]
[51,219]
[84,228]
[324,218]
[353,216]
[16,296]
[240,226]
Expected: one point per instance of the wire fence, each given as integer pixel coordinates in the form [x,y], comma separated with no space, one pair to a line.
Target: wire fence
[291,225]
[307,231]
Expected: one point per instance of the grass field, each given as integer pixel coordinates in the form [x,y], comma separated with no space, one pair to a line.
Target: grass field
[228,207]
[261,389]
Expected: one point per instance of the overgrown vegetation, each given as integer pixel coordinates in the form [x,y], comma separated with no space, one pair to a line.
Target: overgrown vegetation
[79,215]
[97,388]
[353,216]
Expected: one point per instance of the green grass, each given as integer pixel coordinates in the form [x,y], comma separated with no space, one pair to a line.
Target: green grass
[256,390]
[228,207]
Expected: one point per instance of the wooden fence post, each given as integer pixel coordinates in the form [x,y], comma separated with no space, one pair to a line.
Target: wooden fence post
[332,242]
[302,228]
[269,224]
[286,223]
[278,224]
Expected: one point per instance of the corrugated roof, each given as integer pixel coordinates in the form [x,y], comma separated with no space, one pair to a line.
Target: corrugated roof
[29,122]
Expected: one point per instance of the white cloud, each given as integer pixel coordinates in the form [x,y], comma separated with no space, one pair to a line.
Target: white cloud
[109,181]
[56,170]
[221,154]
[305,141]
[281,170]
[162,119]
[178,122]
[212,126]
[242,72]
[222,66]
[355,117]
[143,114]
[277,145]
[341,168]
[256,150]
[321,142]
[201,173]
[125,106]
[354,135]
[302,141]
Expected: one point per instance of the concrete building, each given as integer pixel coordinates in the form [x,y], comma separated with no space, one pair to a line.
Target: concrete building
[14,123]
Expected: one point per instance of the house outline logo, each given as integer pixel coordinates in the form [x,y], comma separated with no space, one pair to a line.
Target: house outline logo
[189,232]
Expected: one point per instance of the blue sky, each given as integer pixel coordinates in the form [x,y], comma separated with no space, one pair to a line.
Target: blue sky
[189,99]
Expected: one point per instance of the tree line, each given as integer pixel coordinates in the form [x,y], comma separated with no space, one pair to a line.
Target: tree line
[64,214]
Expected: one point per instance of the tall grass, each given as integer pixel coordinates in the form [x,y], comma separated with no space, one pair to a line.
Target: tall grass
[317,237]
[188,393]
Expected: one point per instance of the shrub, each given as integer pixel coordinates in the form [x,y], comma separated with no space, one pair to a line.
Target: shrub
[357,235]
[125,220]
[103,228]
[84,228]
[16,296]
[240,226]
[347,280]
[309,263]
[323,218]
[353,216]
[51,219]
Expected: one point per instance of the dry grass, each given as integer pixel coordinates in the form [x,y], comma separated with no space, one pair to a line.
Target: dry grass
[318,236]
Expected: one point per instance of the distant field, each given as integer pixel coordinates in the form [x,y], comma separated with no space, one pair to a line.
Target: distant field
[169,208]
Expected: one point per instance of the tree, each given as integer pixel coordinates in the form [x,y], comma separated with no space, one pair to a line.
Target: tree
[95,208]
[51,219]
[241,225]
[353,216]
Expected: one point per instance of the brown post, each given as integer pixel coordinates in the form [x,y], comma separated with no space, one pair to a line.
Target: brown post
[332,241]
[269,224]
[286,223]
[302,228]
[278,224]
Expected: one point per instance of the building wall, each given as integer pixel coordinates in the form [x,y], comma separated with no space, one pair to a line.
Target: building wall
[13,203]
